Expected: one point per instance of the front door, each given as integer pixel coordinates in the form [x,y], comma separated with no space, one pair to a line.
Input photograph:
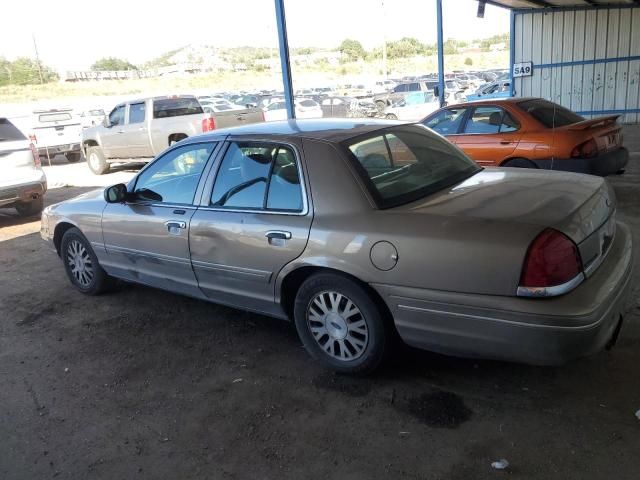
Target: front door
[489,136]
[147,240]
[253,220]
[111,137]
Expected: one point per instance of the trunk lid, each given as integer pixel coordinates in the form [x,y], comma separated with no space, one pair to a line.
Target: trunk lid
[576,205]
[606,132]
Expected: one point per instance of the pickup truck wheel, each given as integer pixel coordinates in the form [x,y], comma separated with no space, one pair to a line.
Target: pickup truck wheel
[391,116]
[81,264]
[340,324]
[27,209]
[96,161]
[73,157]
[381,104]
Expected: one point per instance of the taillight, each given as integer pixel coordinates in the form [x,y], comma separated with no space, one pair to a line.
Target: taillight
[36,156]
[552,266]
[208,124]
[587,149]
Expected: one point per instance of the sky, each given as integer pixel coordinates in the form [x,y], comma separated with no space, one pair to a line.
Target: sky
[72,34]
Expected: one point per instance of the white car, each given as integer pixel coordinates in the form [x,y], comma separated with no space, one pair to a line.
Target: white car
[219,102]
[57,131]
[305,108]
[415,106]
[22,183]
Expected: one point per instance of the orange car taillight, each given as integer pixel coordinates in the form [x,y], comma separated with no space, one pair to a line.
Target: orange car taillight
[552,266]
[587,149]
[208,124]
[36,156]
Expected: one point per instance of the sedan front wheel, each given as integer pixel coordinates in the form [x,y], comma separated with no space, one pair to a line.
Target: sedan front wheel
[340,324]
[81,264]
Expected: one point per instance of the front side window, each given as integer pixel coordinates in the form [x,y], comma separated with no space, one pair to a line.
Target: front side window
[486,120]
[258,176]
[417,163]
[116,117]
[136,112]
[175,175]
[446,121]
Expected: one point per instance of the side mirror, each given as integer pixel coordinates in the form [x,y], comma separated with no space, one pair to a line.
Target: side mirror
[116,193]
[106,123]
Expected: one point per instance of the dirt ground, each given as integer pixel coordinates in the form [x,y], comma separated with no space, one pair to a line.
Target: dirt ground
[145,384]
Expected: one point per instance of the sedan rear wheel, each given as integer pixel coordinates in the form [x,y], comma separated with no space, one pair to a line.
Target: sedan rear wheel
[340,324]
[81,264]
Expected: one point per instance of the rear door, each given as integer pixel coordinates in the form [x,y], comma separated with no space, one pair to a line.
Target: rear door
[135,136]
[147,241]
[489,135]
[112,141]
[253,219]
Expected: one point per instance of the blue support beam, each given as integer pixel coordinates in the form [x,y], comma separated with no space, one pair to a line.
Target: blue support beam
[285,63]
[512,51]
[441,83]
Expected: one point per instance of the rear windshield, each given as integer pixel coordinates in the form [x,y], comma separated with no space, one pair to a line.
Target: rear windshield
[8,132]
[550,114]
[175,107]
[54,117]
[406,163]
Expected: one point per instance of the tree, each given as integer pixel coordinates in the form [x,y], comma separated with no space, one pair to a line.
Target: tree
[352,50]
[24,71]
[112,63]
[468,61]
[405,47]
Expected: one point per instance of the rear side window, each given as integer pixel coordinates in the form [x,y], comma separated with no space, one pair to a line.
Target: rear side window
[136,112]
[54,117]
[258,177]
[8,131]
[176,107]
[549,114]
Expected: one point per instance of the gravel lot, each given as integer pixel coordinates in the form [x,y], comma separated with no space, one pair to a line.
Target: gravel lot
[146,384]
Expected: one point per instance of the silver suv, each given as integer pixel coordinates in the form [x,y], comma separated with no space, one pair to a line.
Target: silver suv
[22,183]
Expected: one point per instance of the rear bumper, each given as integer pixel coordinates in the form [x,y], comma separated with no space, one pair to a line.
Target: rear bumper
[547,331]
[22,193]
[606,164]
[54,150]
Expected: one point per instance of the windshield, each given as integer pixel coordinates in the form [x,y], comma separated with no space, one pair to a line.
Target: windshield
[550,114]
[408,162]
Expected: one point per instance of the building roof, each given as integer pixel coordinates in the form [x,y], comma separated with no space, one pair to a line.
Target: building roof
[531,4]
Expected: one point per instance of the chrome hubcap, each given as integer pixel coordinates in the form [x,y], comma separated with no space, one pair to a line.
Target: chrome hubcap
[94,161]
[80,263]
[337,325]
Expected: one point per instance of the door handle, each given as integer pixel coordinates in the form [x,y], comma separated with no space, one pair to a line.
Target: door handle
[279,234]
[120,131]
[174,226]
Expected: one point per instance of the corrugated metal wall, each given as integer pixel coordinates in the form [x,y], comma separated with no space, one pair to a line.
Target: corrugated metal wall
[574,36]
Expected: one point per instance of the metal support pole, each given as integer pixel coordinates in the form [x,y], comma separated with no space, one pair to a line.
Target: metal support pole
[441,83]
[284,58]
[512,51]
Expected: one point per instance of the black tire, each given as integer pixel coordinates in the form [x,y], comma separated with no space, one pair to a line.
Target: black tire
[519,163]
[377,337]
[100,282]
[381,104]
[27,209]
[391,116]
[73,157]
[96,160]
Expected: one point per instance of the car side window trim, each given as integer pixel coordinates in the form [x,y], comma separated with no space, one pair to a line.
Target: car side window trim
[198,193]
[215,169]
[469,113]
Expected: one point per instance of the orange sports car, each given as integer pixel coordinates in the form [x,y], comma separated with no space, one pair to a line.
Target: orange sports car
[532,133]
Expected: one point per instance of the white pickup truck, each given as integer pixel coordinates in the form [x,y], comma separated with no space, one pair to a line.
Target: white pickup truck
[56,131]
[138,130]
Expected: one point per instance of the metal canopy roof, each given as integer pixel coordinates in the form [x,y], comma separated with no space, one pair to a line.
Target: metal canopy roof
[531,4]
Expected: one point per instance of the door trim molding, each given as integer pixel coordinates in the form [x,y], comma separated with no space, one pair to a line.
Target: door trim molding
[144,254]
[233,271]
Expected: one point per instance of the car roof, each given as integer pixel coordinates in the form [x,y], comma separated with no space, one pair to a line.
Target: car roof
[512,100]
[331,130]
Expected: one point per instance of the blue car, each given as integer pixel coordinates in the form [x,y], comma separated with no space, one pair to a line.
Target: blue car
[497,89]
